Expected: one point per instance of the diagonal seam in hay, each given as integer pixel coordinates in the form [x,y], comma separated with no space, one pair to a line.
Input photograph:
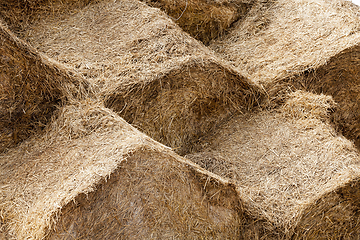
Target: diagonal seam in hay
[32,86]
[80,150]
[146,68]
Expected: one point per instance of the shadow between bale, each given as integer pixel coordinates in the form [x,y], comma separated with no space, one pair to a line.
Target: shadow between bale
[31,88]
[185,105]
[203,20]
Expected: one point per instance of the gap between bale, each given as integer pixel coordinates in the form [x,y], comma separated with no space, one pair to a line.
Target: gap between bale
[91,171]
[182,107]
[285,162]
[203,20]
[145,67]
[32,86]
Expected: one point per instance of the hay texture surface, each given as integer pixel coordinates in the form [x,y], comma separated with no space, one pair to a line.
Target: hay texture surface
[292,170]
[204,20]
[31,86]
[310,45]
[93,176]
[153,74]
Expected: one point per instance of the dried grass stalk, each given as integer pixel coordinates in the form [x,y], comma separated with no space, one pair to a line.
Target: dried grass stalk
[93,176]
[31,87]
[148,70]
[293,172]
[309,45]
[204,20]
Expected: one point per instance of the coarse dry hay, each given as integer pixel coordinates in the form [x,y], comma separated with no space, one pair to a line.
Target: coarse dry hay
[19,13]
[307,44]
[340,77]
[148,70]
[31,87]
[293,172]
[279,39]
[93,176]
[203,19]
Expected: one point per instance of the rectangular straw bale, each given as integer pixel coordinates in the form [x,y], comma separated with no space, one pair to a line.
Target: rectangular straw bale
[19,13]
[204,20]
[309,45]
[31,86]
[93,176]
[293,172]
[147,69]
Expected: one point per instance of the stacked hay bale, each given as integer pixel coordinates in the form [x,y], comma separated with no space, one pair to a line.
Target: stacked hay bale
[283,174]
[204,20]
[31,87]
[147,69]
[293,172]
[312,45]
[93,176]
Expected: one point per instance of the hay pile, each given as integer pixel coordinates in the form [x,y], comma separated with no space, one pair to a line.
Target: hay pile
[309,45]
[202,19]
[31,87]
[148,70]
[293,172]
[93,176]
[279,174]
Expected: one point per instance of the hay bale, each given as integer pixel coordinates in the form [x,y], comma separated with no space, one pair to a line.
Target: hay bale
[293,172]
[204,20]
[309,45]
[148,70]
[19,13]
[31,87]
[93,176]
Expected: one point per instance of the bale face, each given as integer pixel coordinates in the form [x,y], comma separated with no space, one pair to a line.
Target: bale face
[30,89]
[151,197]
[146,68]
[286,38]
[92,175]
[309,45]
[289,165]
[20,13]
[340,79]
[203,20]
[179,109]
[341,220]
